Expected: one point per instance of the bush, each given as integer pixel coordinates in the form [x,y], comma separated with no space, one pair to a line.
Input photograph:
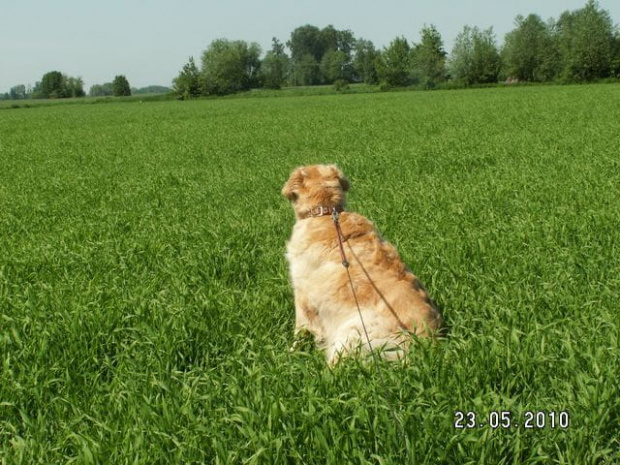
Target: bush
[341,85]
[384,86]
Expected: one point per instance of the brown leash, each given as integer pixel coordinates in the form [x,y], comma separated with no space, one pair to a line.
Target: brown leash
[345,262]
[375,356]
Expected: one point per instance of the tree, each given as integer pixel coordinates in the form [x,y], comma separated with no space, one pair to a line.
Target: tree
[338,40]
[365,61]
[187,83]
[337,59]
[475,58]
[306,40]
[309,45]
[275,66]
[73,87]
[429,58]
[307,49]
[394,65]
[101,90]
[336,66]
[306,71]
[230,66]
[121,87]
[329,40]
[530,53]
[37,92]
[52,85]
[615,60]
[18,92]
[586,43]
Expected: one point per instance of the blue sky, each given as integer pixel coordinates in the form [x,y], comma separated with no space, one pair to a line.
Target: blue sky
[150,41]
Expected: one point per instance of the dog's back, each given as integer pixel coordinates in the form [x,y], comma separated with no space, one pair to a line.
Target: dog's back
[391,299]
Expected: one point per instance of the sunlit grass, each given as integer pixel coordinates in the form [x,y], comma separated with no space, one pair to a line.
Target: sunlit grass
[145,309]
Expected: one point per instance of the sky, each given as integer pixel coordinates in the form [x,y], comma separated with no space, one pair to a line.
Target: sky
[149,42]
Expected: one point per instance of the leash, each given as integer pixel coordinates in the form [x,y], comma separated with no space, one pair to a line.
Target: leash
[375,356]
[345,262]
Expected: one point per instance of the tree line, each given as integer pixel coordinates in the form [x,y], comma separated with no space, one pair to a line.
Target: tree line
[580,46]
[54,85]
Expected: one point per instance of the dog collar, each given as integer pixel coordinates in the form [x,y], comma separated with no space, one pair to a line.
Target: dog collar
[320,210]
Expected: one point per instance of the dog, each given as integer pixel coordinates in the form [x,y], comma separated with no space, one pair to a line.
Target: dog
[393,304]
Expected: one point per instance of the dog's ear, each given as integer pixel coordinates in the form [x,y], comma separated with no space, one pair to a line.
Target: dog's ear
[344,182]
[291,188]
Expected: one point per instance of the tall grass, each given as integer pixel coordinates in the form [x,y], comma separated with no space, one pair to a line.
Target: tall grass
[145,309]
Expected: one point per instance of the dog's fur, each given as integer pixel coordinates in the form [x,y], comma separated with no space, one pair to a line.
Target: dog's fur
[393,303]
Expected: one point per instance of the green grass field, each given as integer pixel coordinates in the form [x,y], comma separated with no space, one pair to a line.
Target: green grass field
[146,313]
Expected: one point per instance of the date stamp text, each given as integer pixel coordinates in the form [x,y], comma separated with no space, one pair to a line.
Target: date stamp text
[508,420]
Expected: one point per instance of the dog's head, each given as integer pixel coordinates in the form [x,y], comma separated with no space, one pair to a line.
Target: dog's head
[315,185]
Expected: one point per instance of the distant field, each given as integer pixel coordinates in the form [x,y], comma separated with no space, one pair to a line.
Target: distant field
[145,309]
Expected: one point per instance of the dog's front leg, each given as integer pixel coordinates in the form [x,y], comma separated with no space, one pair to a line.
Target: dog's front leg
[305,322]
[302,314]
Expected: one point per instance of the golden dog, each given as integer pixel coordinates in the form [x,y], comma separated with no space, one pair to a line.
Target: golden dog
[392,302]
